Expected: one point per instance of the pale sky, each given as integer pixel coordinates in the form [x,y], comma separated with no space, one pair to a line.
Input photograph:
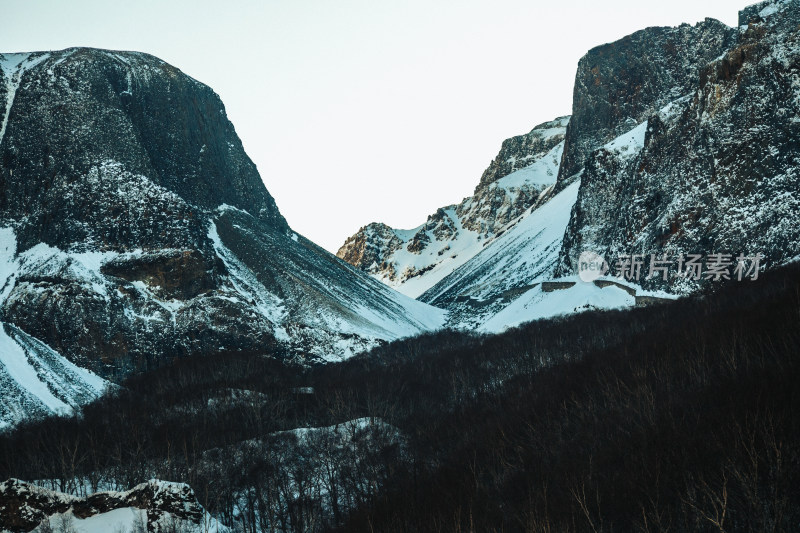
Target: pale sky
[358,111]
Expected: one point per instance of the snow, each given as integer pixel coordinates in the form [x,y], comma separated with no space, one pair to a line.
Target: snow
[420,317]
[15,363]
[414,273]
[536,304]
[125,518]
[454,253]
[674,108]
[541,173]
[629,144]
[523,255]
[12,358]
[343,429]
[773,8]
[13,67]
[440,258]
[520,260]
[116,520]
[82,265]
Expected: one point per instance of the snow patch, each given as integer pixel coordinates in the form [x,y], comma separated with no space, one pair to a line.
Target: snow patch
[773,8]
[629,144]
[541,173]
[537,304]
[13,67]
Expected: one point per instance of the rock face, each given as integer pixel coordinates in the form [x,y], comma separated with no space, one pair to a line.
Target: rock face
[83,112]
[682,140]
[618,85]
[413,260]
[134,228]
[23,506]
[719,171]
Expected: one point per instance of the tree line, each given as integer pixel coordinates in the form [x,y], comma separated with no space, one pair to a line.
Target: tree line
[674,417]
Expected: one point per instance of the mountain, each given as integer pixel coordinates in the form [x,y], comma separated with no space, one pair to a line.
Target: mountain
[135,229]
[719,170]
[681,141]
[412,261]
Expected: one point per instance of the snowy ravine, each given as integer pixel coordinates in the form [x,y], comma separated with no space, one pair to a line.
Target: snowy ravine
[502,285]
[520,258]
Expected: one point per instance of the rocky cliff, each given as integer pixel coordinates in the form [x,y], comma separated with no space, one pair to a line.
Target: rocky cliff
[682,141]
[155,506]
[718,170]
[617,85]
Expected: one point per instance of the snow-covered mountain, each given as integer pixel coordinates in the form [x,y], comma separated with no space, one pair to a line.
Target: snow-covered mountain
[412,261]
[135,229]
[681,140]
[504,284]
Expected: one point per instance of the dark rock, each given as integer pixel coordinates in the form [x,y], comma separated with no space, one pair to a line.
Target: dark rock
[719,169]
[618,85]
[178,274]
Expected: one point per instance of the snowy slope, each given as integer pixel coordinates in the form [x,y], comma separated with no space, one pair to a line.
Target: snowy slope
[536,304]
[311,300]
[522,256]
[501,285]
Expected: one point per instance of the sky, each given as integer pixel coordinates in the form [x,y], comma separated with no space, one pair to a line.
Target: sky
[359,111]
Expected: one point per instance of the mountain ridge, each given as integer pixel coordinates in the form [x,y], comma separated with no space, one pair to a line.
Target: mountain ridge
[412,261]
